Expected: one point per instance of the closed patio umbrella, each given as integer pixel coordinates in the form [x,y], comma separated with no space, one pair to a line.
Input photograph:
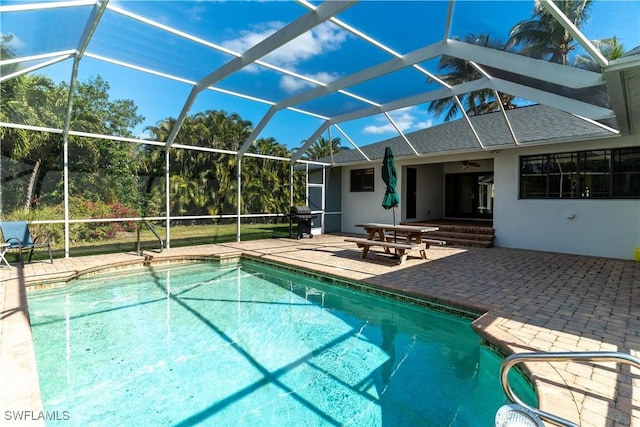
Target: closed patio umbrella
[391,199]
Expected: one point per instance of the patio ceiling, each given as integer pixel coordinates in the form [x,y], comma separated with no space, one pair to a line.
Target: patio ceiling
[364,70]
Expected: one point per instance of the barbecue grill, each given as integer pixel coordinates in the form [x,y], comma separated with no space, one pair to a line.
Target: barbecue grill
[303,217]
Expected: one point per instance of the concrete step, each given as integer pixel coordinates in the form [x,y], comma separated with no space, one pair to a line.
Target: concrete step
[462,233]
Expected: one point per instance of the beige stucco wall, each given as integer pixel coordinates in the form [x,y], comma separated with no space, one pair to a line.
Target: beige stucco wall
[607,228]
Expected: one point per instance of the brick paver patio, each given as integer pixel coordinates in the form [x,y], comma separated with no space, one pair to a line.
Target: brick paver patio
[533,301]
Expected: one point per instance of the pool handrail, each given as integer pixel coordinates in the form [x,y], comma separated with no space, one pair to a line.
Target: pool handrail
[139,250]
[588,356]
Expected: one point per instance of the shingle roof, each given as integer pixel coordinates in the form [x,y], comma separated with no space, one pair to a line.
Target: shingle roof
[536,124]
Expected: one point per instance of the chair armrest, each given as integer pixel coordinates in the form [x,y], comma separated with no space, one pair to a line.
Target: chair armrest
[14,242]
[42,236]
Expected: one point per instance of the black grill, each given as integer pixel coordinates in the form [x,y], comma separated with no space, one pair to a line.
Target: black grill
[302,216]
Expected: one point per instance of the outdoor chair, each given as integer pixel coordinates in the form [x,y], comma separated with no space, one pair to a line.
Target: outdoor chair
[16,234]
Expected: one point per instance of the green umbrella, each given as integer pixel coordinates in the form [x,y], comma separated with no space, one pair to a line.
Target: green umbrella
[391,199]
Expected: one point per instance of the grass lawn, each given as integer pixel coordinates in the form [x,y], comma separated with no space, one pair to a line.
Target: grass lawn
[181,235]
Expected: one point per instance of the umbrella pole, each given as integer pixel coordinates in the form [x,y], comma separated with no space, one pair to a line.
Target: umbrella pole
[394,216]
[395,235]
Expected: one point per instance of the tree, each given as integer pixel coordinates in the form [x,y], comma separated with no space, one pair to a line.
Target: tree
[266,181]
[543,37]
[36,100]
[324,147]
[203,182]
[457,71]
[610,49]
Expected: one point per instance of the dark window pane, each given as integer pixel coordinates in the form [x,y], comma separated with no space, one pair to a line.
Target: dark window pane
[563,175]
[601,174]
[362,180]
[596,176]
[533,177]
[626,172]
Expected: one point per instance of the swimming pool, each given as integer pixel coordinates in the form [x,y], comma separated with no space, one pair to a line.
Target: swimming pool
[249,344]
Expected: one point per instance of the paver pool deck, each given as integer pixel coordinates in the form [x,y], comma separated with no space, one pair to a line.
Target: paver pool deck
[532,301]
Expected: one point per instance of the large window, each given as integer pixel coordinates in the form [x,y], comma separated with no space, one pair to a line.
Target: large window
[593,174]
[362,180]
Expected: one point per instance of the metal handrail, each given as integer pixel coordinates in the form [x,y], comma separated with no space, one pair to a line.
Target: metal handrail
[139,251]
[597,356]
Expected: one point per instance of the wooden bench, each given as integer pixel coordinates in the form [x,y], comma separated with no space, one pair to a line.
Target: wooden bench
[403,248]
[427,242]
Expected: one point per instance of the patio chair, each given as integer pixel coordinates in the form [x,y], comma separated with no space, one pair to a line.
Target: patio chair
[17,235]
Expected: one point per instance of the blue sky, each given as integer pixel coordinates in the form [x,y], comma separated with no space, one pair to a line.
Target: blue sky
[324,54]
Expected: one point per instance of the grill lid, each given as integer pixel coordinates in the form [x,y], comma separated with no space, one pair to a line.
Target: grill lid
[300,210]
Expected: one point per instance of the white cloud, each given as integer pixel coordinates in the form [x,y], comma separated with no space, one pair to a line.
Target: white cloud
[379,129]
[249,38]
[196,13]
[323,38]
[15,42]
[292,84]
[407,120]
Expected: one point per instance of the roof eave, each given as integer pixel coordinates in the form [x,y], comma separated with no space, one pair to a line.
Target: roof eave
[623,85]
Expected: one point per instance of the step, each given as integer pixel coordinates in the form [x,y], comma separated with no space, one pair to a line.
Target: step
[461,234]
[466,229]
[470,243]
[448,235]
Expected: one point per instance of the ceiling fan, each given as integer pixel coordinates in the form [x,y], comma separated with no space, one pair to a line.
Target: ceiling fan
[466,164]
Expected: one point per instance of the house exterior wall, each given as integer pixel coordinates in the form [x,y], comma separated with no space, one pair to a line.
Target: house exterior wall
[607,228]
[596,227]
[359,207]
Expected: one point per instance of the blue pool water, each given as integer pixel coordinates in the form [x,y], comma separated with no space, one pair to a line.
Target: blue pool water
[249,345]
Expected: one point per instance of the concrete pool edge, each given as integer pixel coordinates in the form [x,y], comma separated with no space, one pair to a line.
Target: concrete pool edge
[20,399]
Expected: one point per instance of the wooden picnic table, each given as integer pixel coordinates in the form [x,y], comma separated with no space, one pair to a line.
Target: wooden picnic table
[402,238]
[381,231]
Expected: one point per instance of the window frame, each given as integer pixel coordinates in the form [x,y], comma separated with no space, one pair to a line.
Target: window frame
[359,182]
[598,174]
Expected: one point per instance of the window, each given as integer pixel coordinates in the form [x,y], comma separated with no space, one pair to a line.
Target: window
[594,174]
[626,180]
[362,180]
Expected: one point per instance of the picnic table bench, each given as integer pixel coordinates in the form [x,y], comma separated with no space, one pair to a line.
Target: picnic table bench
[387,236]
[402,248]
[427,242]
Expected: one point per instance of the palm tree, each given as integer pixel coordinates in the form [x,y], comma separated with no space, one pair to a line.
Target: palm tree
[266,181]
[458,71]
[543,37]
[610,49]
[22,101]
[324,147]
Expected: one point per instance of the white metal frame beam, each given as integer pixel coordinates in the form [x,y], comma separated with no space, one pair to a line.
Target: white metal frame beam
[529,67]
[83,43]
[266,46]
[375,71]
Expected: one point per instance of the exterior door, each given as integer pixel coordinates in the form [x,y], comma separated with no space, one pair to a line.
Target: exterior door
[412,188]
[469,195]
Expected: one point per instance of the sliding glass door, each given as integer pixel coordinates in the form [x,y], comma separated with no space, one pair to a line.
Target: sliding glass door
[469,195]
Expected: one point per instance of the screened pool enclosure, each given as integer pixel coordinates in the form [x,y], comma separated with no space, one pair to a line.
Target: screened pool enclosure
[211,119]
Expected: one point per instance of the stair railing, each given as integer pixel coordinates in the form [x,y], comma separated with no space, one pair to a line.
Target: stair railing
[150,227]
[597,356]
